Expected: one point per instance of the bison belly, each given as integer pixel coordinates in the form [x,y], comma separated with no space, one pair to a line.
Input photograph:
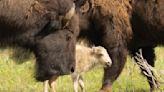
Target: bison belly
[148,23]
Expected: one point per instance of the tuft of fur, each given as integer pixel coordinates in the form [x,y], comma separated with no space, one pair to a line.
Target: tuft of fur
[84,42]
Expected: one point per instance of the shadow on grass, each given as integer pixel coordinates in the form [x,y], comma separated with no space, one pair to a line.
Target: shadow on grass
[20,55]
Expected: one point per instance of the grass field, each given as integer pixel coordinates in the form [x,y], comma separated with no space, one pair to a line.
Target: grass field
[16,75]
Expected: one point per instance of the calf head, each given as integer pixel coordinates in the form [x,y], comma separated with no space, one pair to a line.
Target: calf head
[102,55]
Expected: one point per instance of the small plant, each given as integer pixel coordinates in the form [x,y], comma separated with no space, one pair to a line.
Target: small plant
[149,70]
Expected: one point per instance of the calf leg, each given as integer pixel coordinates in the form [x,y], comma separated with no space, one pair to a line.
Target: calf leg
[75,78]
[149,55]
[81,82]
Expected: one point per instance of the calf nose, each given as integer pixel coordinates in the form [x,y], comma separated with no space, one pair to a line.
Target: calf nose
[109,63]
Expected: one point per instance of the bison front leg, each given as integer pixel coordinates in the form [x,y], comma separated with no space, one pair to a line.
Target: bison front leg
[118,55]
[81,82]
[45,84]
[75,79]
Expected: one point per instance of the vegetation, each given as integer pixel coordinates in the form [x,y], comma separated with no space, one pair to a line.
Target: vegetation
[16,75]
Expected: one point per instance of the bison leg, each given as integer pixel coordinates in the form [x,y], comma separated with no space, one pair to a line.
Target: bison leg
[45,84]
[52,83]
[118,55]
[149,55]
[75,78]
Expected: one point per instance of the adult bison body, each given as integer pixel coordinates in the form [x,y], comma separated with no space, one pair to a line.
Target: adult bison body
[148,29]
[46,27]
[107,23]
[121,26]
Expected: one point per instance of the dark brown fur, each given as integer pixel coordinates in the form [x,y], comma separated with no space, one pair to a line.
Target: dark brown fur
[148,29]
[36,25]
[104,24]
[109,23]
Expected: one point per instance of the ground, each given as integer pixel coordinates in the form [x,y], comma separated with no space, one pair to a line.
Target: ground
[18,76]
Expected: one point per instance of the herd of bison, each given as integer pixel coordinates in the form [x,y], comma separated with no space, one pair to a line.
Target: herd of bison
[51,28]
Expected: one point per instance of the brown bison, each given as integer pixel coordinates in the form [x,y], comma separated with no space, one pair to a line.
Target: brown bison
[121,26]
[148,29]
[47,27]
[107,23]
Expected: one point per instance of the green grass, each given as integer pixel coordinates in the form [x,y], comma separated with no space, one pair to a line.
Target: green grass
[16,75]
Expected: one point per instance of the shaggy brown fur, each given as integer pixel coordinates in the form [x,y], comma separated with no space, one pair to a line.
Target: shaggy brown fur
[148,27]
[40,25]
[107,23]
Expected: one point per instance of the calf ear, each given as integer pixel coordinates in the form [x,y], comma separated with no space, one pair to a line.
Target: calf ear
[97,50]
